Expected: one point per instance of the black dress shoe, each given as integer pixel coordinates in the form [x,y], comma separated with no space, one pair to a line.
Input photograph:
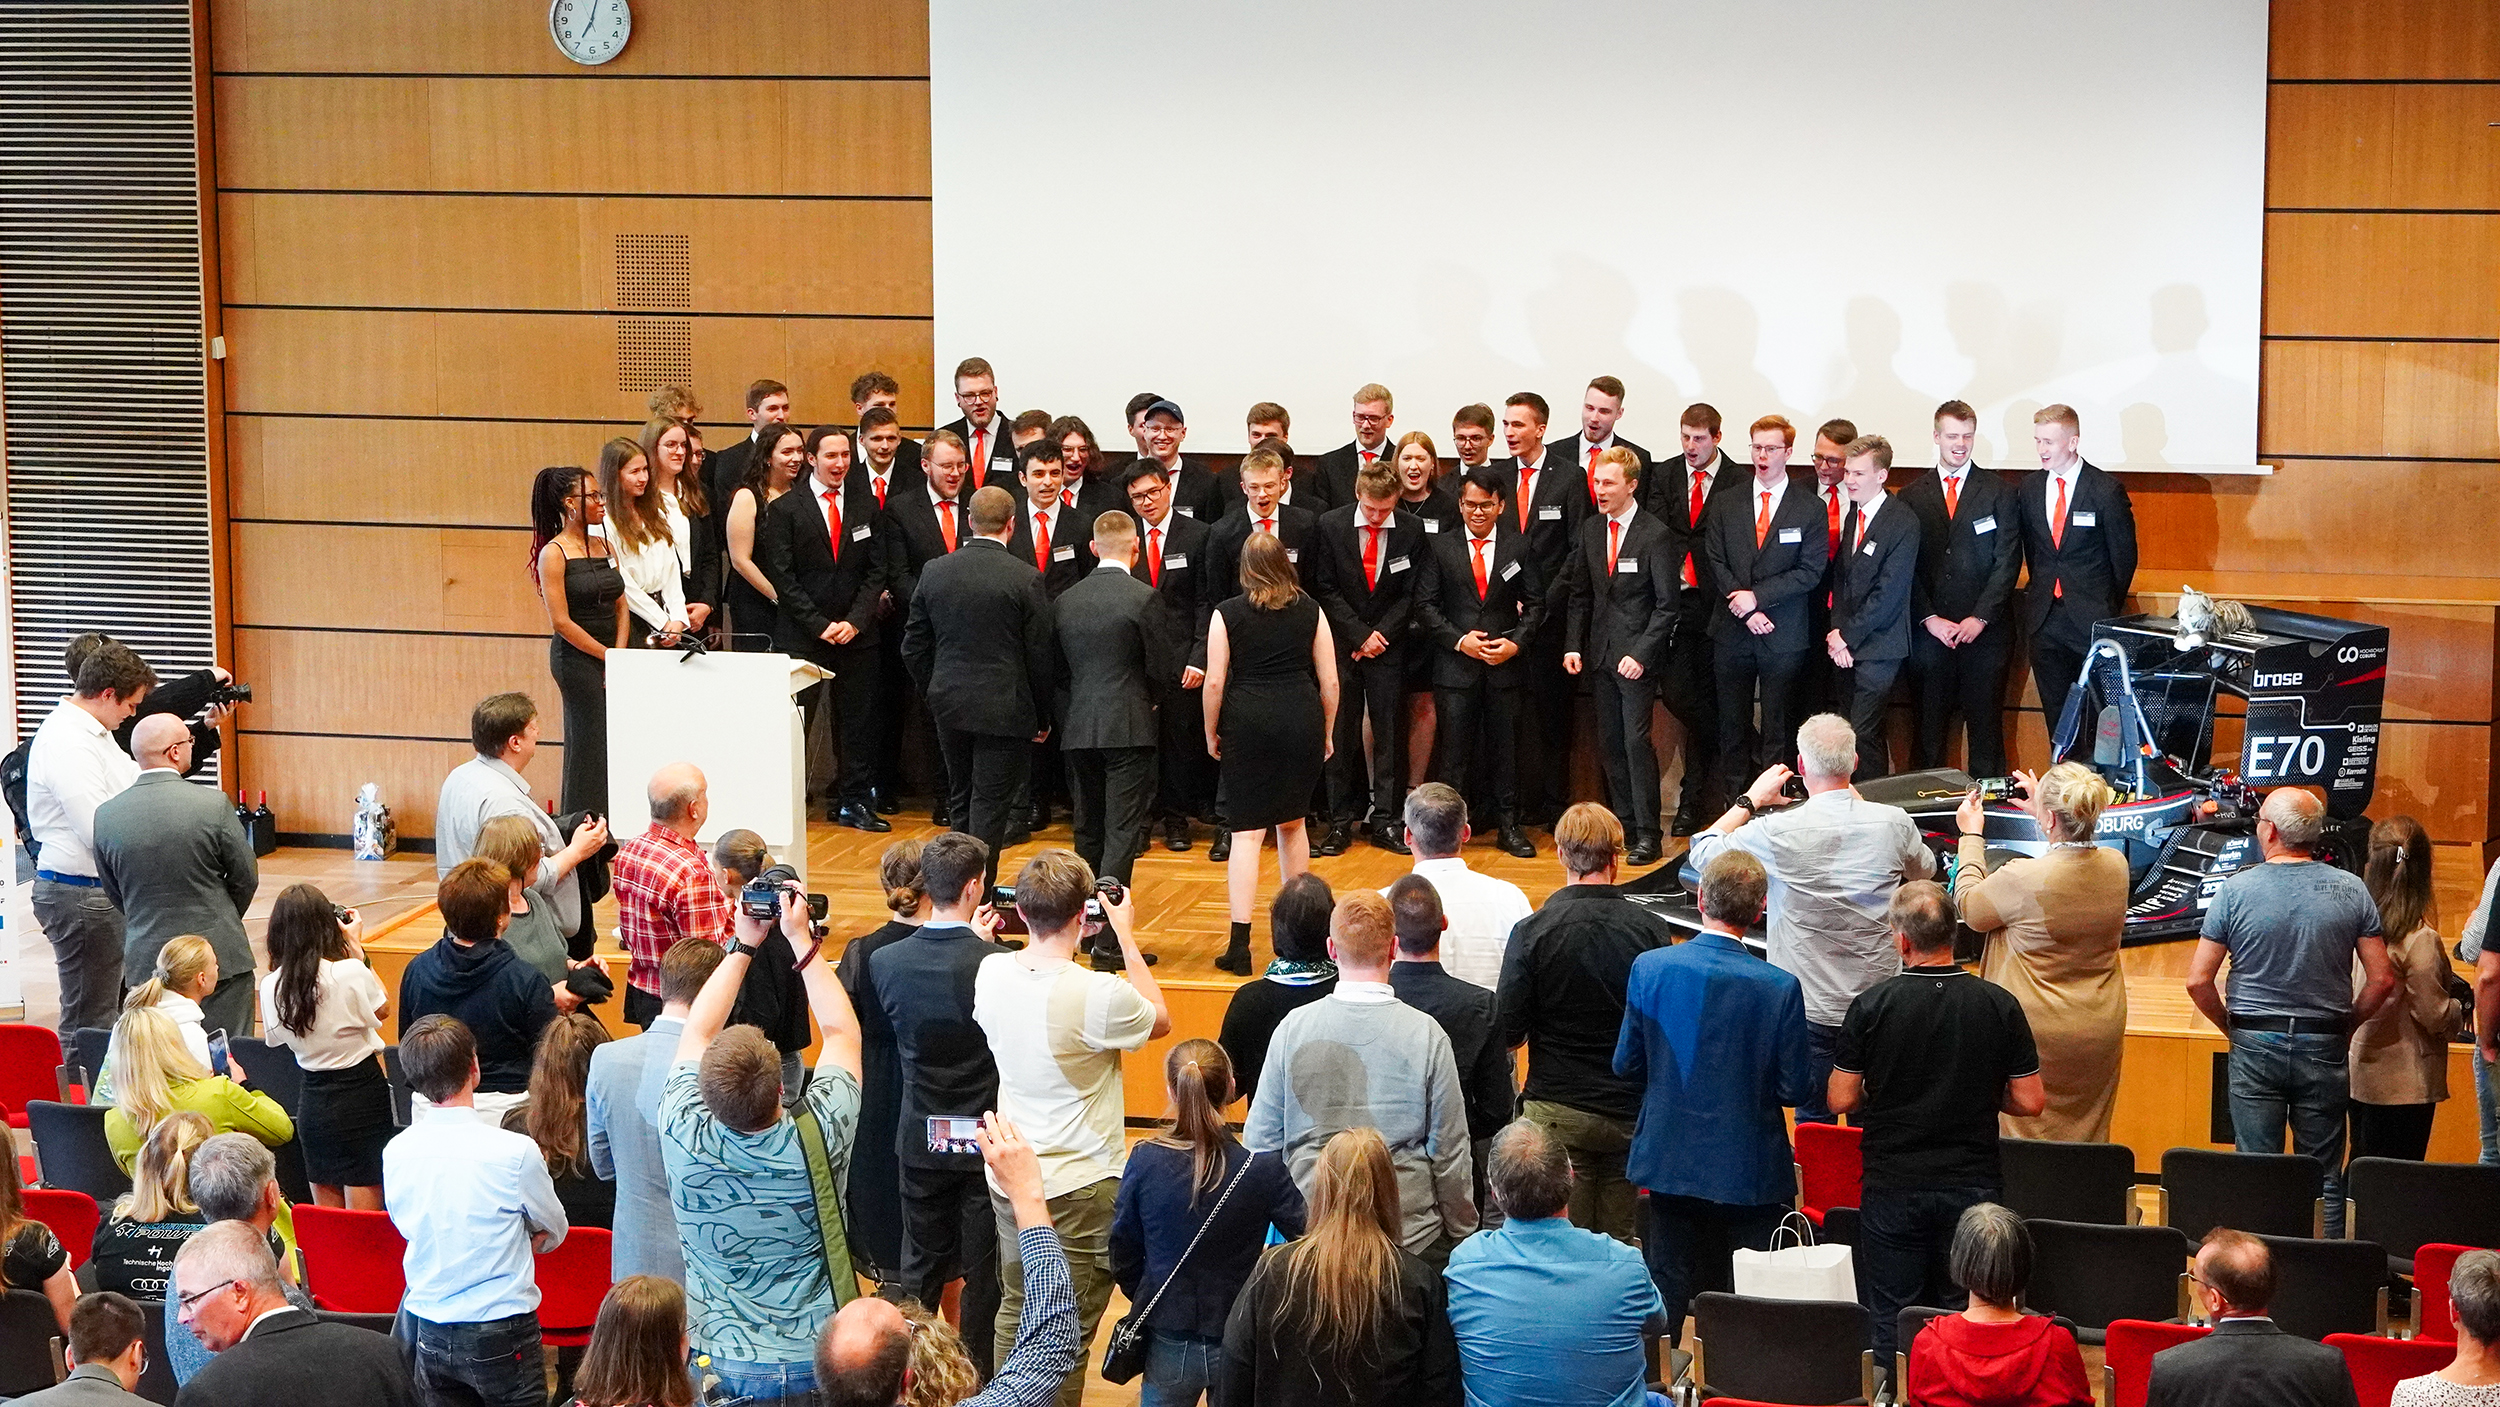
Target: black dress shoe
[1017,835]
[888,804]
[1685,822]
[1109,960]
[1175,834]
[1237,964]
[1390,837]
[1331,840]
[1040,819]
[1220,849]
[861,818]
[1514,841]
[1644,851]
[939,818]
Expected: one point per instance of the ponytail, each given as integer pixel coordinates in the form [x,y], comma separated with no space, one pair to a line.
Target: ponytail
[1200,1077]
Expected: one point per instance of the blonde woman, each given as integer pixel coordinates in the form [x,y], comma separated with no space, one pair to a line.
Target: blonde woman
[637,530]
[134,1251]
[2053,923]
[186,972]
[2400,1055]
[160,1075]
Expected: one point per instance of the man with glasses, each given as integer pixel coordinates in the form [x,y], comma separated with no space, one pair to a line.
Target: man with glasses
[1332,482]
[270,1351]
[174,860]
[1172,558]
[1817,687]
[987,447]
[1195,492]
[234,1179]
[109,1351]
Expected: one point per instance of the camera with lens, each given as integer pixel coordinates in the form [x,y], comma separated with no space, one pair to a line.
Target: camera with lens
[1106,891]
[233,691]
[761,897]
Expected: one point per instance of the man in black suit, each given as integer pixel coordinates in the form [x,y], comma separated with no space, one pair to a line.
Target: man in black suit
[1051,536]
[881,483]
[1683,496]
[1373,564]
[1094,485]
[1547,501]
[978,643]
[2079,542]
[1476,625]
[1766,551]
[269,1353]
[830,565]
[883,474]
[928,522]
[1116,658]
[1472,429]
[989,448]
[1195,493]
[871,389]
[768,406]
[1267,422]
[1871,588]
[1969,551]
[1330,484]
[1601,405]
[1817,692]
[1623,594]
[1173,560]
[2247,1361]
[1262,509]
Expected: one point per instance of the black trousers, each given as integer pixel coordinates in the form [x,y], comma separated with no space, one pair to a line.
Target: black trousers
[1473,727]
[1546,722]
[982,769]
[2057,651]
[1689,687]
[1373,788]
[1745,667]
[852,694]
[1864,692]
[1112,792]
[897,702]
[1184,776]
[1625,752]
[1905,1239]
[949,1230]
[2391,1130]
[1970,678]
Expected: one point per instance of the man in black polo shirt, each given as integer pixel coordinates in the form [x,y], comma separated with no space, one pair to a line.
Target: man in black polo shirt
[1926,1061]
[1465,1012]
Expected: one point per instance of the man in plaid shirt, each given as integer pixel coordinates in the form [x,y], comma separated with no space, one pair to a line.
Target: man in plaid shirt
[665,886]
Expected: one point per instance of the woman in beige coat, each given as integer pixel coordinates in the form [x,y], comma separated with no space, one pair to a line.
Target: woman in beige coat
[2053,923]
[2400,1055]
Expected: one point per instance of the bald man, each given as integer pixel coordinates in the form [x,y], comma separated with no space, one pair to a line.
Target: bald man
[174,860]
[865,1354]
[666,888]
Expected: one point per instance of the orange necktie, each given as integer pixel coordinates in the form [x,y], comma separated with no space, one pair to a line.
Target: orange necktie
[946,521]
[1593,452]
[1268,526]
[1952,496]
[1041,542]
[979,439]
[1154,556]
[1762,520]
[1614,544]
[1484,580]
[1831,512]
[1527,494]
[879,485]
[2057,532]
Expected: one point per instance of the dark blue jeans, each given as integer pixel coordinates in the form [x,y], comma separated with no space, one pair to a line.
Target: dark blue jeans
[724,1383]
[498,1363]
[2304,1080]
[1180,1369]
[1691,1244]
[1905,1237]
[1821,1041]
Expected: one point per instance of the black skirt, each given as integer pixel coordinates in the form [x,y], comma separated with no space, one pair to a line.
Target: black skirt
[345,1121]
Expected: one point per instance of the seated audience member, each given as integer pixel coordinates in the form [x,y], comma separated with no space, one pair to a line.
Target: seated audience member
[1192,1218]
[469,974]
[186,971]
[2473,1380]
[1466,1013]
[233,1178]
[1992,1354]
[271,1351]
[474,1203]
[159,1076]
[665,886]
[872,1198]
[1362,1058]
[532,935]
[134,1249]
[322,1001]
[621,1101]
[1481,909]
[1544,1312]
[1344,1316]
[2247,1361]
[773,1000]
[1299,974]
[557,1118]
[638,1347]
[868,1355]
[107,1352]
[31,1257]
[762,1272]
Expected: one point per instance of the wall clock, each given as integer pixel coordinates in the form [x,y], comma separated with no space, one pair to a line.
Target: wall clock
[590,31]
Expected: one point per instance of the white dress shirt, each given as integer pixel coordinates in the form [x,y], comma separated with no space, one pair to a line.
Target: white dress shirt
[680,531]
[655,587]
[1852,534]
[2048,488]
[468,1197]
[73,766]
[1778,492]
[1480,910]
[1053,515]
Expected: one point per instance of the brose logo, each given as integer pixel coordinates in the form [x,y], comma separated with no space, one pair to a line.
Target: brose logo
[2264,680]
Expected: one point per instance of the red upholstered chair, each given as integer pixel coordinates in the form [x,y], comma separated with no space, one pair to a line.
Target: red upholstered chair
[2128,1355]
[2379,1364]
[1829,1167]
[73,1217]
[1739,1402]
[2433,1316]
[30,1067]
[353,1261]
[572,1280]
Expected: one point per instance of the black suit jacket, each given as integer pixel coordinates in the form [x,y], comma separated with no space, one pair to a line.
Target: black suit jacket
[1872,584]
[1182,582]
[1000,451]
[1116,657]
[2250,1363]
[1782,572]
[1967,564]
[1465,1013]
[918,540]
[1561,501]
[1626,607]
[1575,452]
[814,589]
[722,473]
[2095,564]
[1196,493]
[1512,607]
[978,641]
[1668,492]
[1297,528]
[1071,547]
[903,482]
[1355,607]
[294,1360]
[1331,477]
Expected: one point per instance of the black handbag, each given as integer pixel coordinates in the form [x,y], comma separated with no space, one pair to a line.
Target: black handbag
[1125,1356]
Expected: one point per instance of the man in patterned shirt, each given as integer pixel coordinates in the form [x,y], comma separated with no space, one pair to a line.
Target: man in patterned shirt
[665,887]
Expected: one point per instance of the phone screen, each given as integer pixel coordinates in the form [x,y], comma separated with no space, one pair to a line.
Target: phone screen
[217,1052]
[954,1135]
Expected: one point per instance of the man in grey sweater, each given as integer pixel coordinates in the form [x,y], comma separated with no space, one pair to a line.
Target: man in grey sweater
[1360,1058]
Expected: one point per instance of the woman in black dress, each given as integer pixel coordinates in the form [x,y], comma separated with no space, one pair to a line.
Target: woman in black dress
[570,566]
[770,471]
[872,1198]
[1271,700]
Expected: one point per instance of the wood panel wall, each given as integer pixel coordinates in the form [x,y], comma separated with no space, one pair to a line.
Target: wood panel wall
[418,212]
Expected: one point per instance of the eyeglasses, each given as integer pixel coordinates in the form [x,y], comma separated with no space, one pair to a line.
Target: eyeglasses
[187,1303]
[1831,459]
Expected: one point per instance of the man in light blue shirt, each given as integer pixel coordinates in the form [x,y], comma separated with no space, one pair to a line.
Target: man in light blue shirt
[474,1203]
[623,1103]
[1544,1311]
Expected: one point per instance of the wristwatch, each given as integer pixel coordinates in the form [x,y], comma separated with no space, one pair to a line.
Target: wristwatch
[741,948]
[1747,803]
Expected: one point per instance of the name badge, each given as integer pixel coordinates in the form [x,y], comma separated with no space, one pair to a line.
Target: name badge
[861,534]
[1867,551]
[1510,571]
[1790,537]
[2084,520]
[1063,554]
[1294,555]
[1396,565]
[1432,525]
[1984,525]
[1627,565]
[1175,561]
[1185,510]
[1550,513]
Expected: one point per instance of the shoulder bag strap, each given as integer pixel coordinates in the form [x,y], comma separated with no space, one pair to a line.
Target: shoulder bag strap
[828,1207]
[1148,1312]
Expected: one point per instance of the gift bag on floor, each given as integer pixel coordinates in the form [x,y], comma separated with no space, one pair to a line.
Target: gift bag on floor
[1800,1271]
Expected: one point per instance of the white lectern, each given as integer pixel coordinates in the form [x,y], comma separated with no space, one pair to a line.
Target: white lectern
[733,715]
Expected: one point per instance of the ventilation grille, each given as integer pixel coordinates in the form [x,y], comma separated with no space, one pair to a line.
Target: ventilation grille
[102,342]
[654,272]
[654,352]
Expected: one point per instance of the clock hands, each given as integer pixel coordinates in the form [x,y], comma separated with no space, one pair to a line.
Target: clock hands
[591,17]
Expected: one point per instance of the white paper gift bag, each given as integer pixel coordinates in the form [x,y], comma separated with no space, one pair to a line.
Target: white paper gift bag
[1803,1271]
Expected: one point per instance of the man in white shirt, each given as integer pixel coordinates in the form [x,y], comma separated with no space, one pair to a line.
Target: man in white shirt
[1057,1030]
[73,766]
[503,729]
[474,1203]
[1480,909]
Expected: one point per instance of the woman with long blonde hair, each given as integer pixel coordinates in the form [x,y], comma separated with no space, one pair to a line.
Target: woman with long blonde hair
[134,1250]
[186,972]
[637,528]
[1345,1316]
[2400,1055]
[160,1075]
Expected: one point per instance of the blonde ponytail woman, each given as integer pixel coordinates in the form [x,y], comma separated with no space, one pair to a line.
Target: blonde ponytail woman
[134,1252]
[160,1075]
[186,972]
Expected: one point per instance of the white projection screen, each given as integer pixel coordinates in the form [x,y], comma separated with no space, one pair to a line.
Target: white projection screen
[1810,207]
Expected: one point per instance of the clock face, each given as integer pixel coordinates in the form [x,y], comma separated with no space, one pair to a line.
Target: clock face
[590,31]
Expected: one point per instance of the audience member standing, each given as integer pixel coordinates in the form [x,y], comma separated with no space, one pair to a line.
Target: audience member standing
[1481,910]
[1620,587]
[584,592]
[1970,550]
[474,1204]
[1465,1012]
[2248,1360]
[1992,1352]
[2400,1056]
[323,1002]
[1718,1039]
[773,998]
[872,1198]
[72,768]
[1930,1057]
[1271,691]
[1297,975]
[2292,928]
[470,973]
[2078,530]
[533,933]
[174,860]
[270,1351]
[1765,552]
[665,887]
[503,733]
[829,574]
[1192,1217]
[1371,569]
[621,1109]
[1872,582]
[1562,993]
[2053,925]
[1485,608]
[556,1118]
[159,1075]
[770,472]
[107,1351]
[1115,660]
[684,512]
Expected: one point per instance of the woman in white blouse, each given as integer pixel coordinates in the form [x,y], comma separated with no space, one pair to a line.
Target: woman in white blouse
[672,448]
[186,970]
[646,555]
[322,1001]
